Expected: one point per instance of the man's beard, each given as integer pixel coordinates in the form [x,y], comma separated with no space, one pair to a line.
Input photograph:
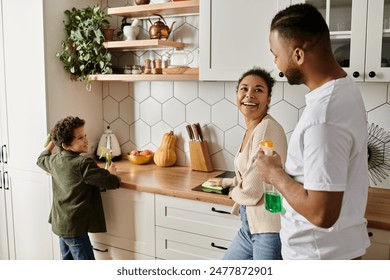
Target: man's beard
[294,76]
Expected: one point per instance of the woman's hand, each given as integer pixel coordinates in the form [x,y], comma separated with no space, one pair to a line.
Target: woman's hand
[216,181]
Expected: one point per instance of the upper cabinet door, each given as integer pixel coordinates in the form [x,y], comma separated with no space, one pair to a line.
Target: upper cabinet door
[347,25]
[234,37]
[360,35]
[24,84]
[378,41]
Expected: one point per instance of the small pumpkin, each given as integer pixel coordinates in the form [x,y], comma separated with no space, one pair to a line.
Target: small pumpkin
[165,154]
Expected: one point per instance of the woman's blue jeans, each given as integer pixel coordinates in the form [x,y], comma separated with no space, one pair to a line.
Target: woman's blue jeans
[76,248]
[259,246]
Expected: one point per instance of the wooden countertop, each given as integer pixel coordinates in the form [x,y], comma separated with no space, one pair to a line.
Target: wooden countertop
[178,181]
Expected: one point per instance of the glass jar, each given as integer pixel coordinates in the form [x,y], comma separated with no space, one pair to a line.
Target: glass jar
[136,70]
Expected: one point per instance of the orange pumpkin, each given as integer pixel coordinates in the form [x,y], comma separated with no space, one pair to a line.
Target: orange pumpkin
[165,154]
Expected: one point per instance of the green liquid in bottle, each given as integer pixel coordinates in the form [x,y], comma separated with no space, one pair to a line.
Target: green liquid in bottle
[273,202]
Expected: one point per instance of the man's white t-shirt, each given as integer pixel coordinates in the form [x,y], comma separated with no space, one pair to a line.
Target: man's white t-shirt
[328,152]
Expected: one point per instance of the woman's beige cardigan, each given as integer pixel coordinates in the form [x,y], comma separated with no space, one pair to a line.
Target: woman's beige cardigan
[247,187]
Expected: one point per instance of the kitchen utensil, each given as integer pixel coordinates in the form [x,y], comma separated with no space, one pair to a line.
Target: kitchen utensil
[159,29]
[200,133]
[124,23]
[199,152]
[200,156]
[196,132]
[180,58]
[110,143]
[190,132]
[130,32]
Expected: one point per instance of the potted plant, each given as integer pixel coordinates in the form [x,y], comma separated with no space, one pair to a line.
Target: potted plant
[82,52]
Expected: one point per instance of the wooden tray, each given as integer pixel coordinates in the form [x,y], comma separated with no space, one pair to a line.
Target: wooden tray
[181,70]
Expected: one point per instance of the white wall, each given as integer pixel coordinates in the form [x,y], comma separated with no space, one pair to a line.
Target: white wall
[66,97]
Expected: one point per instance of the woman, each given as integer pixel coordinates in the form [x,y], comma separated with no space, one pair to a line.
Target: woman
[258,237]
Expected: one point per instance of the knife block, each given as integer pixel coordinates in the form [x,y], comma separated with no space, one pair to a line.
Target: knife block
[200,157]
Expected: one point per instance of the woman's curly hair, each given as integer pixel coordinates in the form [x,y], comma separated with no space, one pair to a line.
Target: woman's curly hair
[259,72]
[63,130]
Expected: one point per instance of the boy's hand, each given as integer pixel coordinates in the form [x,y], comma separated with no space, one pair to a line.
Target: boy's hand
[112,169]
[50,146]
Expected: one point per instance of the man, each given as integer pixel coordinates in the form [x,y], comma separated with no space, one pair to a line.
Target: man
[325,181]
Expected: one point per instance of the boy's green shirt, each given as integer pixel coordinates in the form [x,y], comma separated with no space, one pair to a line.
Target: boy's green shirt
[76,180]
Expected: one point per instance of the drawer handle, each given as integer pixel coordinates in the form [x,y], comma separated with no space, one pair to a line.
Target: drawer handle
[218,247]
[99,250]
[219,211]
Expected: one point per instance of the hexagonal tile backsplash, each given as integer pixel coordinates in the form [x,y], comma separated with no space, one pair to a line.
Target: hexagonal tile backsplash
[140,113]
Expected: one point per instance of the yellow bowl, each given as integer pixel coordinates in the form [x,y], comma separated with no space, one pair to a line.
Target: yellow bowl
[140,159]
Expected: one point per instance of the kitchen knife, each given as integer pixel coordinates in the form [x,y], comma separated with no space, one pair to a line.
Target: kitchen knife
[190,132]
[200,133]
[196,132]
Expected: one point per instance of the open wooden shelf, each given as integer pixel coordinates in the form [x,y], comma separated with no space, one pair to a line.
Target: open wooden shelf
[143,77]
[179,8]
[134,45]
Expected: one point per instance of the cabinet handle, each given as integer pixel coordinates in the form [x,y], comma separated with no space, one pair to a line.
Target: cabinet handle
[356,74]
[219,211]
[1,181]
[370,234]
[281,74]
[6,181]
[218,247]
[371,74]
[4,153]
[100,250]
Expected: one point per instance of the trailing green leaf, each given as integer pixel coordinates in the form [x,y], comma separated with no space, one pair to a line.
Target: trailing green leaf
[82,51]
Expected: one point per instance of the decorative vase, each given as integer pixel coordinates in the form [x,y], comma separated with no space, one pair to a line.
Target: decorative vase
[108,34]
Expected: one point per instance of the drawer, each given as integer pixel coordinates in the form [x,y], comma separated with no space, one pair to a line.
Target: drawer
[105,252]
[179,245]
[197,217]
[379,236]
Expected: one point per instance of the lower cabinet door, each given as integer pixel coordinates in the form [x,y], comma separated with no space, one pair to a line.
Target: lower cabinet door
[130,221]
[380,245]
[105,252]
[179,245]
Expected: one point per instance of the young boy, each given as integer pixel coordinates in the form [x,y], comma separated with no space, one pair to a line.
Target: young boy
[77,205]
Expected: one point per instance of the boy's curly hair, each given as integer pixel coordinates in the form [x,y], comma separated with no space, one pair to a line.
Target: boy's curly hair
[63,130]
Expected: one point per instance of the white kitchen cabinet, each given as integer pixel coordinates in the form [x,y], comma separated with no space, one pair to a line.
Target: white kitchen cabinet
[234,37]
[105,252]
[189,229]
[28,204]
[380,245]
[4,251]
[360,35]
[130,223]
[25,189]
[378,42]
